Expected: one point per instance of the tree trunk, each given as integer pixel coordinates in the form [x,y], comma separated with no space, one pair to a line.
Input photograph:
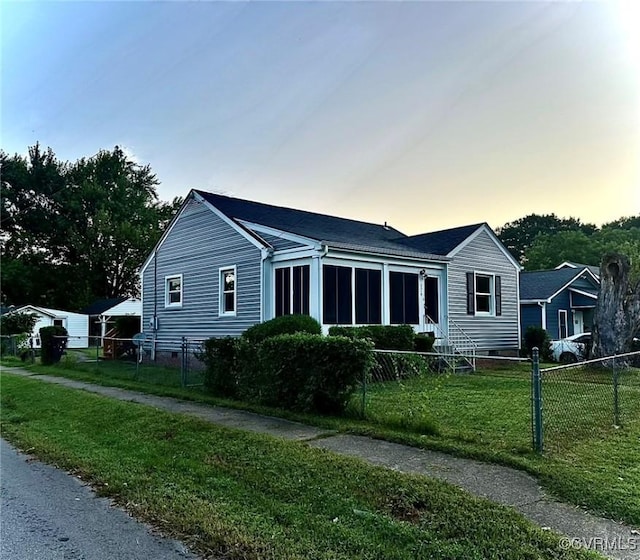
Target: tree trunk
[617,315]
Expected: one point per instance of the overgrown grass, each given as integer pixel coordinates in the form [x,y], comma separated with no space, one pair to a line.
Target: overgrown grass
[237,495]
[483,416]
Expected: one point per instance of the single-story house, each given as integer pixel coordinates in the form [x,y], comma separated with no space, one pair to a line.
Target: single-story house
[104,312]
[224,264]
[562,300]
[77,324]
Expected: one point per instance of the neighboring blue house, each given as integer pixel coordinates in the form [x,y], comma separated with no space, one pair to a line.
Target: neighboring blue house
[562,300]
[225,264]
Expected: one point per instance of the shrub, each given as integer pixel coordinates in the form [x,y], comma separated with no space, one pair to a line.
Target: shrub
[52,344]
[424,342]
[537,337]
[384,337]
[221,363]
[286,324]
[303,372]
[17,323]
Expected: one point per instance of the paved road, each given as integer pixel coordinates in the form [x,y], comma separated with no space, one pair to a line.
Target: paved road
[47,514]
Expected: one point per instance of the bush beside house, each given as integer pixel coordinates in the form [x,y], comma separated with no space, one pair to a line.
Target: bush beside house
[537,337]
[388,337]
[286,362]
[286,324]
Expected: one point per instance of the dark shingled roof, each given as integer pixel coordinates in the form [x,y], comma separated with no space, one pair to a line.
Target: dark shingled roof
[319,227]
[100,306]
[440,242]
[542,284]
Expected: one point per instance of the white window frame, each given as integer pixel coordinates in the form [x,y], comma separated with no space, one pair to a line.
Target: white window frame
[221,291]
[491,293]
[563,313]
[167,302]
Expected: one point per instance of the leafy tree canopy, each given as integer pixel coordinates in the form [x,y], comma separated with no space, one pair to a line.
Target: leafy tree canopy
[544,242]
[75,232]
[518,236]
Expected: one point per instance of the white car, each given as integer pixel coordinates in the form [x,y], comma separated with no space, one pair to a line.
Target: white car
[571,349]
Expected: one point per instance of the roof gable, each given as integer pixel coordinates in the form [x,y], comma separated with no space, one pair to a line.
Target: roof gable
[544,285]
[441,242]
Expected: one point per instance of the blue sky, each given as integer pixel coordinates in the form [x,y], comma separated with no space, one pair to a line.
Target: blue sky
[422,114]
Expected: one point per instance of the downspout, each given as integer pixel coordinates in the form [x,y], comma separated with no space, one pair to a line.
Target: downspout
[154,320]
[543,312]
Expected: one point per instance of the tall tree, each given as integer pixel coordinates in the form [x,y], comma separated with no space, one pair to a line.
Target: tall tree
[518,236]
[617,315]
[72,233]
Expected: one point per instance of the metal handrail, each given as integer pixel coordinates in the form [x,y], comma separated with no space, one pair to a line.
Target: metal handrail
[467,351]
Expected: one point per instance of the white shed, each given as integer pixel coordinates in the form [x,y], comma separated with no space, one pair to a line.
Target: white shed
[131,307]
[77,325]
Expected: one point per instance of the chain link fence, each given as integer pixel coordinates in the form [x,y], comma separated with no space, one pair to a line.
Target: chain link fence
[585,400]
[16,345]
[441,394]
[177,365]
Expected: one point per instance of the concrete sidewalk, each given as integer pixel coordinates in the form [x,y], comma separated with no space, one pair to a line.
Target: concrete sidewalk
[500,484]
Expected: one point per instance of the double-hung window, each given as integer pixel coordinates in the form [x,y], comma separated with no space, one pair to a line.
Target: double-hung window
[228,291]
[173,291]
[484,294]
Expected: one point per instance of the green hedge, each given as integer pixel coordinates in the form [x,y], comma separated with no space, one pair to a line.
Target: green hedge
[52,346]
[220,357]
[423,342]
[301,372]
[384,337]
[308,373]
[287,324]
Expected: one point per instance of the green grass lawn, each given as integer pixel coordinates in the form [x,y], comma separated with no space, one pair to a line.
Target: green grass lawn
[485,416]
[237,495]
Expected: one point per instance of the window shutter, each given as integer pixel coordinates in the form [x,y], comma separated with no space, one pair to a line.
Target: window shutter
[471,295]
[498,295]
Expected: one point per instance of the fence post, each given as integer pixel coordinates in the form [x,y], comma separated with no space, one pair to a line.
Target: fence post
[183,347]
[616,397]
[536,380]
[364,392]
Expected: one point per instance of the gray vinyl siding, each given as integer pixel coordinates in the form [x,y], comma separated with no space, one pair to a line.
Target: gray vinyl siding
[198,245]
[488,332]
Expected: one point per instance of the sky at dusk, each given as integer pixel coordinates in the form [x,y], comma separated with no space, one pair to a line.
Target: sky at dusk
[426,115]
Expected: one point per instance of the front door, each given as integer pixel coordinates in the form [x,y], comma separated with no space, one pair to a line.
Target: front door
[578,322]
[431,302]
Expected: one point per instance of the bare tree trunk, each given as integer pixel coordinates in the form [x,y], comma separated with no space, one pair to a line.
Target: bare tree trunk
[617,315]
